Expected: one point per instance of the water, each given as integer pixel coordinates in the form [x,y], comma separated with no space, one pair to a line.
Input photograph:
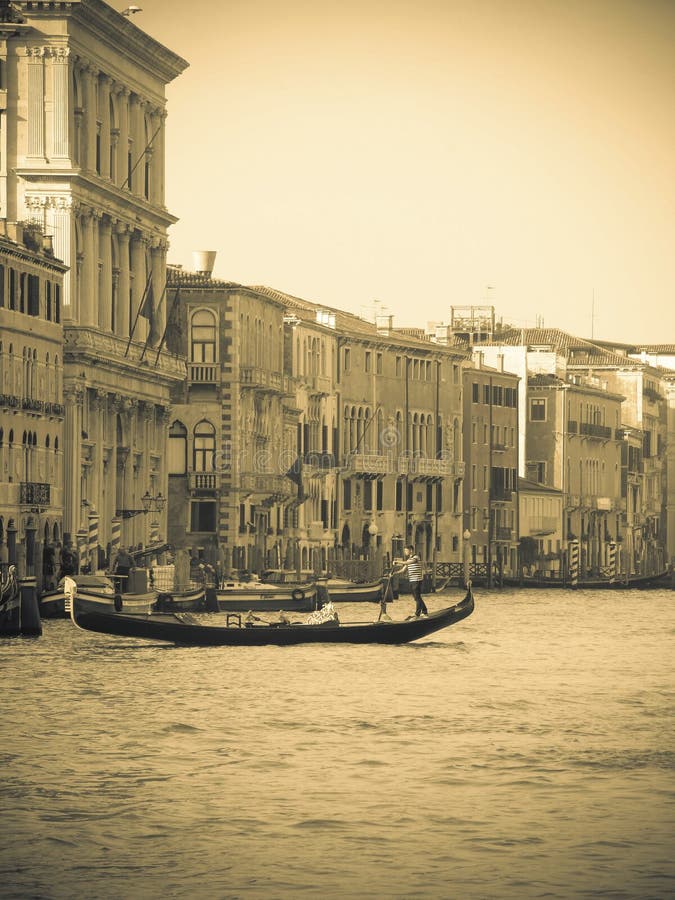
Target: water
[526,752]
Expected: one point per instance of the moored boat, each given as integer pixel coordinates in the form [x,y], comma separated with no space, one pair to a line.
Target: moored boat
[240,596]
[183,628]
[342,591]
[193,600]
[56,604]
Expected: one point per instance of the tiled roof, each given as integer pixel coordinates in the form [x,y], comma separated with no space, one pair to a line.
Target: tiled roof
[579,351]
[176,276]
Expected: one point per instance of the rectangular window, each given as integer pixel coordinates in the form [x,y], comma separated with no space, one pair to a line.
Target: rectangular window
[439,497]
[473,477]
[33,295]
[368,363]
[347,360]
[430,498]
[537,410]
[12,289]
[346,494]
[57,302]
[398,366]
[486,394]
[379,363]
[379,494]
[368,495]
[474,392]
[2,285]
[203,516]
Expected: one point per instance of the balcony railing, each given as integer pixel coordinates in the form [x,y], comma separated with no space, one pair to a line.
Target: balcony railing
[544,525]
[32,493]
[502,533]
[203,373]
[601,431]
[319,460]
[498,448]
[420,465]
[264,483]
[572,427]
[318,384]
[256,377]
[203,481]
[370,463]
[503,494]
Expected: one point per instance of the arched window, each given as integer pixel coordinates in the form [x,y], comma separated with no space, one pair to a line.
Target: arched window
[203,337]
[204,447]
[177,464]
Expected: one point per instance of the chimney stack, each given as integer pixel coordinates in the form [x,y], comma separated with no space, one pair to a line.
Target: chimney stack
[203,261]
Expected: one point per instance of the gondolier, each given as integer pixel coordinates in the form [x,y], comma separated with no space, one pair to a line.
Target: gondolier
[413,564]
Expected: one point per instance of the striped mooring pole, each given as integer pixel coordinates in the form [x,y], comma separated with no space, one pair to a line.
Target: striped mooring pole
[115,538]
[612,560]
[92,540]
[574,562]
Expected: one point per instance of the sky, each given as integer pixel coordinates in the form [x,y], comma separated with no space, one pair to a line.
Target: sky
[410,155]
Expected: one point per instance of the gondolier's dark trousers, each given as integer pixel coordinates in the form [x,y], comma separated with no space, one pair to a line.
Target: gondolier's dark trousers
[420,605]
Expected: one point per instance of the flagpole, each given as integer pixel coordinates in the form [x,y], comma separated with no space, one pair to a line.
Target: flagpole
[168,319]
[145,345]
[138,311]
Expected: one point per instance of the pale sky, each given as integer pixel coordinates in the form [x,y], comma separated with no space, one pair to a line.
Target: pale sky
[415,152]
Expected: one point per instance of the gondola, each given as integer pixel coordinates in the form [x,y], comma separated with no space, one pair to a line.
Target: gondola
[182,628]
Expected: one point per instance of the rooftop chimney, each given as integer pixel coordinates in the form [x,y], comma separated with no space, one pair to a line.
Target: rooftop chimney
[384,324]
[203,261]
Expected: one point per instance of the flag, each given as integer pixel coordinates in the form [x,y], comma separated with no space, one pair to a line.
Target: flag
[149,301]
[295,474]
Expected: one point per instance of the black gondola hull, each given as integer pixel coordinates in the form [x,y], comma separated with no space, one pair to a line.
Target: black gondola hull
[183,631]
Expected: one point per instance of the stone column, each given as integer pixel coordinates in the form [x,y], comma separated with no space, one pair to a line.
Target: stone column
[36,104]
[123,110]
[158,262]
[136,143]
[105,301]
[73,397]
[90,75]
[87,281]
[104,85]
[122,317]
[138,283]
[61,107]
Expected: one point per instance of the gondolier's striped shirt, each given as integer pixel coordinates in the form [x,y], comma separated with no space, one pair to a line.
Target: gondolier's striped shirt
[414,569]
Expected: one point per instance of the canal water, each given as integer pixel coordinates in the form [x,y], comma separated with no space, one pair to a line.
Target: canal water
[526,752]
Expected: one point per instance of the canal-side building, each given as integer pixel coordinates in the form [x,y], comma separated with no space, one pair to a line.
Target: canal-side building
[232,434]
[540,527]
[31,401]
[491,485]
[82,156]
[574,442]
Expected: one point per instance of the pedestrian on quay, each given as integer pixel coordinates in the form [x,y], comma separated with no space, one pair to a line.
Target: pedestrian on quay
[413,564]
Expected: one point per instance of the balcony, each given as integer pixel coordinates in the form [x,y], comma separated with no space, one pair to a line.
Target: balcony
[502,533]
[502,494]
[256,377]
[369,464]
[599,431]
[499,448]
[572,427]
[426,466]
[32,493]
[544,525]
[203,373]
[203,481]
[319,460]
[318,384]
[572,501]
[265,484]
